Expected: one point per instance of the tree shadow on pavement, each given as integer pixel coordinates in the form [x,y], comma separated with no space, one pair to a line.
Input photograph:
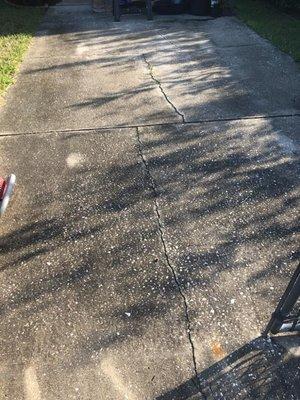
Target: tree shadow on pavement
[202,79]
[84,246]
[259,370]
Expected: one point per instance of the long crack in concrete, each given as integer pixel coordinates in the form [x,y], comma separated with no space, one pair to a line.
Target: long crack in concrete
[153,187]
[150,69]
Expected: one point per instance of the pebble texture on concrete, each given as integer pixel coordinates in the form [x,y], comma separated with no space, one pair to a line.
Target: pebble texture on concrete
[155,221]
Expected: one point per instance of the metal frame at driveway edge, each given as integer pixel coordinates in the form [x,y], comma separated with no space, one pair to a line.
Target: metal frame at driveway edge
[283,319]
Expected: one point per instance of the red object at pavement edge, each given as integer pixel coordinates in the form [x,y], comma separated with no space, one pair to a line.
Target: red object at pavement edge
[3,185]
[6,190]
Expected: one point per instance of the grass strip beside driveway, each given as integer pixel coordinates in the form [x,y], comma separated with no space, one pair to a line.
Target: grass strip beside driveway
[281,29]
[17,26]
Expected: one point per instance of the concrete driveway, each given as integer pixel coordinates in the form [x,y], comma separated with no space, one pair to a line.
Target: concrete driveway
[155,222]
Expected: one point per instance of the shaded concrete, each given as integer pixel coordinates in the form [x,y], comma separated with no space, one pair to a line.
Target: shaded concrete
[212,78]
[143,262]
[89,308]
[85,95]
[228,200]
[258,370]
[95,74]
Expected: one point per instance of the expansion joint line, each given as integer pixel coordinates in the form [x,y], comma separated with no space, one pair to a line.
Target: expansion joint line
[153,187]
[150,69]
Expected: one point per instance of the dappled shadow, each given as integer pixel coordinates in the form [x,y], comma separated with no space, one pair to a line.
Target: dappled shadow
[258,370]
[82,249]
[93,239]
[201,73]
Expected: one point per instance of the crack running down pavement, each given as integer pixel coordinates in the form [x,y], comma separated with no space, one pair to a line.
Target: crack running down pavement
[167,259]
[150,69]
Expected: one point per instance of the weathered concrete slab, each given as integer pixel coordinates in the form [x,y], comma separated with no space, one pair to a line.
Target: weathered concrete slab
[63,27]
[100,74]
[105,40]
[229,204]
[89,307]
[82,94]
[133,257]
[207,82]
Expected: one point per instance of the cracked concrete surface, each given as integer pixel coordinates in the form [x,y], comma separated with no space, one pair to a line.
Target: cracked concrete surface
[161,89]
[155,221]
[163,242]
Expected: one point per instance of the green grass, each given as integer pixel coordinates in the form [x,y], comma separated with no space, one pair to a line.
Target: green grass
[17,26]
[281,29]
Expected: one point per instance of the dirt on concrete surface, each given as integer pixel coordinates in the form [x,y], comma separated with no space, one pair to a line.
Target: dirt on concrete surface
[155,223]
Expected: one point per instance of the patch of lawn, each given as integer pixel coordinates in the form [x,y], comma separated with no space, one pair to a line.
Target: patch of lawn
[281,29]
[17,26]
